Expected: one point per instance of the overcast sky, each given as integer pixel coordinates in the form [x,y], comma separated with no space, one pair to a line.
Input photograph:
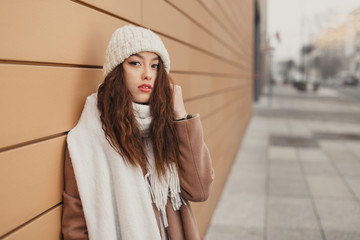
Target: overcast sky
[298,20]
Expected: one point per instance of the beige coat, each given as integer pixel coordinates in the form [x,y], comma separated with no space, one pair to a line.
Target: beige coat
[196,177]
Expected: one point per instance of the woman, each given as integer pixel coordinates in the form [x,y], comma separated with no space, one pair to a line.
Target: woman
[135,157]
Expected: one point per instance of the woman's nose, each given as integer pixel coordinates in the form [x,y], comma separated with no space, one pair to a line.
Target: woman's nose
[147,74]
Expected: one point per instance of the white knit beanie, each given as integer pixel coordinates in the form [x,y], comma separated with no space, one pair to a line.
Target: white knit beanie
[128,40]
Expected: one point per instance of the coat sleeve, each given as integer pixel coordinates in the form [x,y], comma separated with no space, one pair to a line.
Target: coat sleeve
[73,219]
[195,173]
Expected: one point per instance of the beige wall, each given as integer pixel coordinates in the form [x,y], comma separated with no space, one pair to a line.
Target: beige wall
[51,55]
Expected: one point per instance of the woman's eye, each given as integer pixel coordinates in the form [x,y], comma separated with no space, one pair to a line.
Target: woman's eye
[134,63]
[156,66]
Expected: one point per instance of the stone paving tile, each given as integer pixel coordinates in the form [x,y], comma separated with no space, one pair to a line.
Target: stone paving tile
[354,184]
[333,145]
[300,132]
[312,155]
[339,215]
[225,232]
[277,123]
[256,130]
[355,147]
[350,128]
[346,162]
[295,187]
[285,169]
[298,128]
[282,153]
[295,213]
[246,184]
[335,127]
[325,186]
[316,126]
[344,128]
[296,114]
[342,156]
[349,169]
[250,169]
[292,141]
[337,136]
[293,234]
[251,155]
[279,127]
[339,235]
[240,210]
[258,143]
[325,169]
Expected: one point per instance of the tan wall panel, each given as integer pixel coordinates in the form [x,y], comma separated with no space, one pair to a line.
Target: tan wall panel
[31,181]
[237,7]
[162,17]
[247,8]
[40,101]
[219,145]
[242,12]
[54,31]
[127,9]
[239,33]
[46,227]
[241,117]
[251,32]
[216,9]
[216,120]
[83,37]
[184,58]
[210,105]
[194,86]
[223,155]
[51,99]
[227,8]
[196,11]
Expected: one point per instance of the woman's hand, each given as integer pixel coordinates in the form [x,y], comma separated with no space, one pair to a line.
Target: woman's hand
[179,107]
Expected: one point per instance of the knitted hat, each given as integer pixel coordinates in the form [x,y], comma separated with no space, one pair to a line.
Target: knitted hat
[128,40]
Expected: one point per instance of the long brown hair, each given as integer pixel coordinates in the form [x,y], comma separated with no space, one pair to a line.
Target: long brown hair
[120,126]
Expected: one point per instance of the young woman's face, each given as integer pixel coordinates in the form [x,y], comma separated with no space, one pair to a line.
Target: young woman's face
[140,72]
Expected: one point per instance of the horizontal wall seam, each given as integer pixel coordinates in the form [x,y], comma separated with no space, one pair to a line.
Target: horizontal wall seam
[226,14]
[217,127]
[225,75]
[47,64]
[234,37]
[46,138]
[239,54]
[221,107]
[162,34]
[230,19]
[104,11]
[236,64]
[70,65]
[37,140]
[233,88]
[30,221]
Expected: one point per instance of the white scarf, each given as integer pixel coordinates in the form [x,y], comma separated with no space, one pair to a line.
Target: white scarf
[116,197]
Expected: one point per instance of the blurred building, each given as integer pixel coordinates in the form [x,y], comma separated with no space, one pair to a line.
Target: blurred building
[261,49]
[353,44]
[51,57]
[337,50]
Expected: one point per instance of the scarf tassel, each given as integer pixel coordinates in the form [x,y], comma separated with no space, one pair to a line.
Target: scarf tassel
[160,190]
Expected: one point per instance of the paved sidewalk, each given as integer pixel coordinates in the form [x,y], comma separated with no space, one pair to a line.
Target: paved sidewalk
[297,173]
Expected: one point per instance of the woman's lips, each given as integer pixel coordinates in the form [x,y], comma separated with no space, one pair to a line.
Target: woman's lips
[145,87]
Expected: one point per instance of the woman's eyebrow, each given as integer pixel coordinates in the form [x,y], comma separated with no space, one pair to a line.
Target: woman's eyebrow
[138,55]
